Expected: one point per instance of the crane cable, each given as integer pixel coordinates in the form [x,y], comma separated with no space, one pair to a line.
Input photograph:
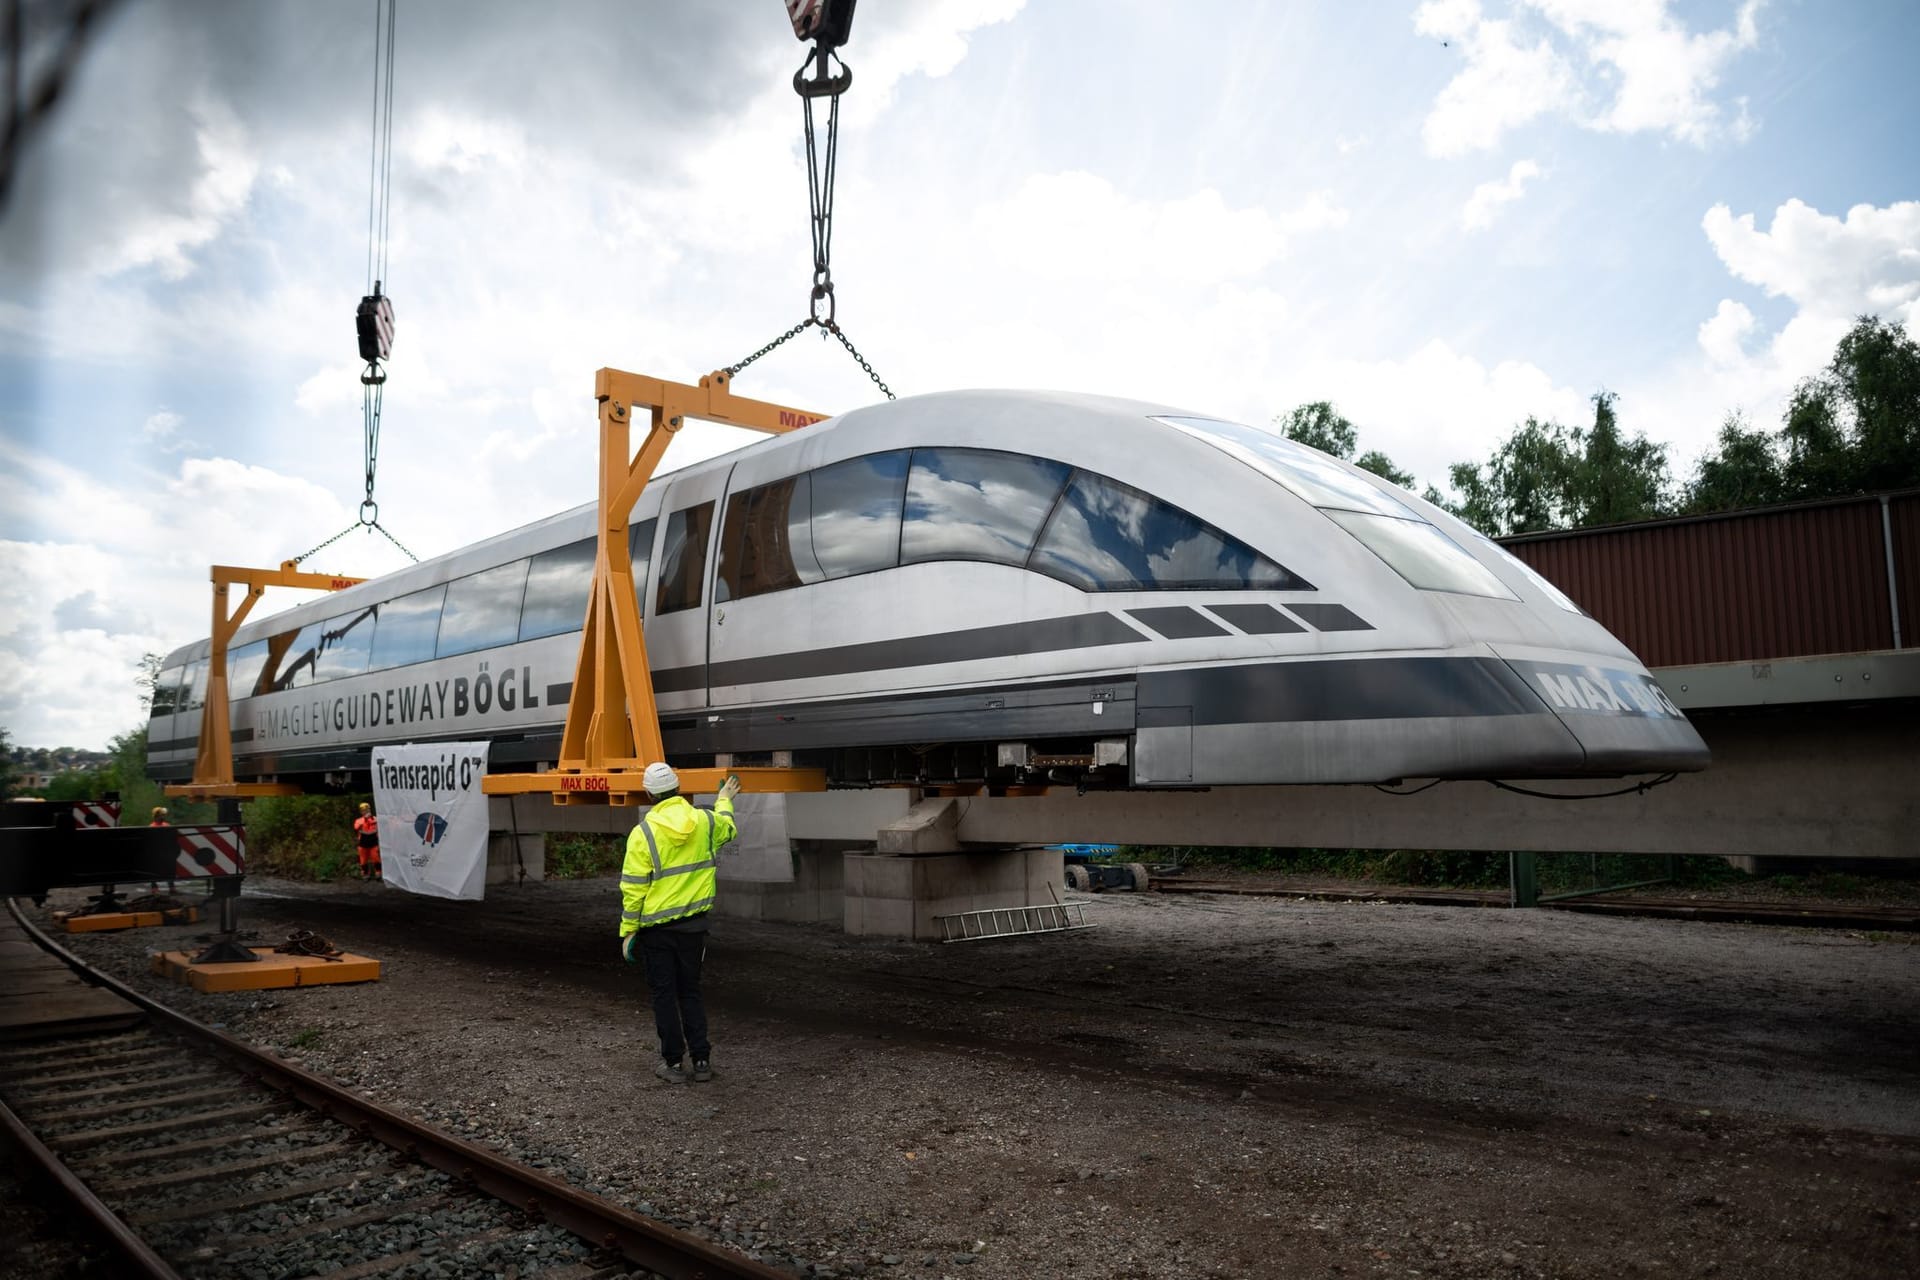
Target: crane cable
[828,26]
[374,317]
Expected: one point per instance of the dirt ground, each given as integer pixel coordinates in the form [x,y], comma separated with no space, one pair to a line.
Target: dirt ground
[1198,1086]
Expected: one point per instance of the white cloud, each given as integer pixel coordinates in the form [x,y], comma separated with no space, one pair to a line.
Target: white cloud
[1483,206]
[1438,405]
[1076,225]
[1663,74]
[1506,82]
[1867,262]
[160,426]
[1724,336]
[227,169]
[1614,66]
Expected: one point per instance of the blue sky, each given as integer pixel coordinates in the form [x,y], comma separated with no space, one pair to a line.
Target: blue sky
[1441,215]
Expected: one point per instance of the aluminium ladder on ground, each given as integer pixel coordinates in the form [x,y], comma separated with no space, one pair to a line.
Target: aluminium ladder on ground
[1013,922]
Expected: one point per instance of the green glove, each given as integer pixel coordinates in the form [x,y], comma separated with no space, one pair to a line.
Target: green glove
[628,947]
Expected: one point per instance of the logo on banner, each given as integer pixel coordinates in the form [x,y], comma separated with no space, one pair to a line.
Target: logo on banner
[430,827]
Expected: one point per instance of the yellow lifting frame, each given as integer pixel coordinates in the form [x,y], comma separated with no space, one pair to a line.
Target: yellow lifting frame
[213,765]
[613,725]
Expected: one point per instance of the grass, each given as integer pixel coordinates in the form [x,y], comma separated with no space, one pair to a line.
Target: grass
[305,1038]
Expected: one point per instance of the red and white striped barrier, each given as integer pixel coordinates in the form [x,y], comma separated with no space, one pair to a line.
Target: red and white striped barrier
[96,813]
[212,850]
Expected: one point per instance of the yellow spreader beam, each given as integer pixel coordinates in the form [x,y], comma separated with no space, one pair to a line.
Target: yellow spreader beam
[213,763]
[613,724]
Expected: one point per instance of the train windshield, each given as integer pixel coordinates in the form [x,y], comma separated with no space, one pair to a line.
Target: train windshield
[1412,546]
[1308,472]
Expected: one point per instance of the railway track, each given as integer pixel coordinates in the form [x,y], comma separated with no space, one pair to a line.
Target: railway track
[190,1153]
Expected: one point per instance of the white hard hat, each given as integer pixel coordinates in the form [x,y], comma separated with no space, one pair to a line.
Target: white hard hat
[660,778]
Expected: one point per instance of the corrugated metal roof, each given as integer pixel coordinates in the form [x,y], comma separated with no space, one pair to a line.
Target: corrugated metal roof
[1773,582]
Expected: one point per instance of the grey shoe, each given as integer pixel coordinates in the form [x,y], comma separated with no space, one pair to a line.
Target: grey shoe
[670,1072]
[701,1071]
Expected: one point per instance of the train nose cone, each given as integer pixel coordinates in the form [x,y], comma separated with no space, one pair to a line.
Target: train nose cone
[1619,714]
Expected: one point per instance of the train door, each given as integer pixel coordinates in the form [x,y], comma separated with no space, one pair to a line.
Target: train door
[680,595]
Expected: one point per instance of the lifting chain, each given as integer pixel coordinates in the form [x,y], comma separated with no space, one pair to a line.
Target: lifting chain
[826,327]
[827,23]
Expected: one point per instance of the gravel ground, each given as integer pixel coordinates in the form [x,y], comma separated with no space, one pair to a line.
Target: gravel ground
[1200,1086]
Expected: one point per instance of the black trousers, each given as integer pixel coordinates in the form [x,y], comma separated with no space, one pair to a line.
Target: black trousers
[673,959]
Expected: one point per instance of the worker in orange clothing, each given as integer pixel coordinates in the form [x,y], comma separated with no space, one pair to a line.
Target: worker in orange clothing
[159,818]
[366,838]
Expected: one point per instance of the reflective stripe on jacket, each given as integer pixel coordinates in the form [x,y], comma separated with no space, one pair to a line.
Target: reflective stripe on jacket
[669,868]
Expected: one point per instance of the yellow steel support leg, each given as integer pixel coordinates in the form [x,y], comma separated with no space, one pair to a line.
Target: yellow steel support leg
[613,725]
[213,761]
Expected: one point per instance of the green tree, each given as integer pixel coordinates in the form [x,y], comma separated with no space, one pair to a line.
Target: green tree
[1525,486]
[7,772]
[1381,465]
[1320,425]
[1876,369]
[1854,427]
[148,678]
[1618,479]
[1743,471]
[1548,476]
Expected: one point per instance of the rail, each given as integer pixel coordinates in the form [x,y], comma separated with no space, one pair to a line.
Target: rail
[667,1250]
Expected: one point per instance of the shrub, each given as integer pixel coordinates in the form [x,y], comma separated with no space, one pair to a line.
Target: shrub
[303,837]
[583,857]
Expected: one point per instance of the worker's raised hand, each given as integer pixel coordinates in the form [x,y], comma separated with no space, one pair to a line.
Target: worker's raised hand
[730,788]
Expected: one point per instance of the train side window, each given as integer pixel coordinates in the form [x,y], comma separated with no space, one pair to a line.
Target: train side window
[977,504]
[558,584]
[407,629]
[640,552]
[482,610]
[766,542]
[303,656]
[1105,536]
[166,691]
[856,513]
[683,560]
[244,666]
[346,645]
[193,688]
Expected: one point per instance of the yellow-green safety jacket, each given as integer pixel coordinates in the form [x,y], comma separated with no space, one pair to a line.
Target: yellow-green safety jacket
[669,869]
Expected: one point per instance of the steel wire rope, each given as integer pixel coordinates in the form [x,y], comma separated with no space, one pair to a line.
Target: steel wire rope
[822,165]
[373,380]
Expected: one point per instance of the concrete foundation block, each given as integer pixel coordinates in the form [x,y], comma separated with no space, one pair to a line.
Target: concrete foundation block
[503,867]
[889,896]
[812,894]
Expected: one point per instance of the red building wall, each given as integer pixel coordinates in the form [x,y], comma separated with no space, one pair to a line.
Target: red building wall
[1776,582]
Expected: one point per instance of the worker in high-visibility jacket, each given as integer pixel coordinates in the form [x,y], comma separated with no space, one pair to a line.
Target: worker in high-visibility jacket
[666,892]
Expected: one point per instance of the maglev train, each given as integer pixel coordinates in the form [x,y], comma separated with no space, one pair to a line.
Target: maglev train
[990,587]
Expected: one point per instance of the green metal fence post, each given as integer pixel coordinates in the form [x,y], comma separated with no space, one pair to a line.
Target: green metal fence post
[1524,878]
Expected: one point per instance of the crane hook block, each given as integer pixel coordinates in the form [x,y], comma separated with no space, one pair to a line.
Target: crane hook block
[374,321]
[826,22]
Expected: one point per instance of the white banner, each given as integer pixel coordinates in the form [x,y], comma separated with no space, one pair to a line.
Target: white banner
[433,817]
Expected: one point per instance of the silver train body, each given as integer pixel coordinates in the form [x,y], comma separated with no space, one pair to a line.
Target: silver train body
[981,586]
